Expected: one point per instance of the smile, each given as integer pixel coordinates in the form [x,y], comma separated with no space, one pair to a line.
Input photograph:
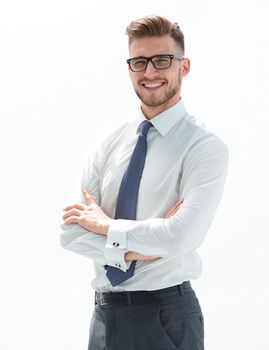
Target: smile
[153,85]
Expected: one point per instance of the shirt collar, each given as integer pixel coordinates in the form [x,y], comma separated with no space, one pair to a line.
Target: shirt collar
[164,121]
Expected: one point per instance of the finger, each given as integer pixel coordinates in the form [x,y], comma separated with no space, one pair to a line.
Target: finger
[174,209]
[87,196]
[179,202]
[72,212]
[168,214]
[170,211]
[71,219]
[177,205]
[76,206]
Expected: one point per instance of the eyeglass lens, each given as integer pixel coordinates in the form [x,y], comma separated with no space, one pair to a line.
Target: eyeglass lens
[159,62]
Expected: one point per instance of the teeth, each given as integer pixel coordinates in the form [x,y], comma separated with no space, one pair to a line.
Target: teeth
[152,85]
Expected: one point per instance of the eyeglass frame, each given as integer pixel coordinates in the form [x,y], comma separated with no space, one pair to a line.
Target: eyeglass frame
[178,57]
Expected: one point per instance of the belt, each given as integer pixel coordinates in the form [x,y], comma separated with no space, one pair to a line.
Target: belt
[141,296]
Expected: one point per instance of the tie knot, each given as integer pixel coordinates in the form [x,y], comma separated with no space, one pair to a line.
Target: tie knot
[144,128]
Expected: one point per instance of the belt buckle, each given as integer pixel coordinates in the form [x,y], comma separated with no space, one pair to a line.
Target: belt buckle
[101,299]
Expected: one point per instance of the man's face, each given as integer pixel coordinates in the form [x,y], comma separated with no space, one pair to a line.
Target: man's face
[157,88]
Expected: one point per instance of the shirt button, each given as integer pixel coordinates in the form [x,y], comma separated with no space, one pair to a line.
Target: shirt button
[115,244]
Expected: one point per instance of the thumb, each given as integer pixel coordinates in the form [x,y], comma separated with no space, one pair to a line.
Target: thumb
[89,200]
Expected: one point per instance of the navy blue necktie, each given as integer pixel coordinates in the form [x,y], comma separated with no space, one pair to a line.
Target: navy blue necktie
[127,197]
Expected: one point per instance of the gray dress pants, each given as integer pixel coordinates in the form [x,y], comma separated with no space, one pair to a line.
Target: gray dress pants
[162,320]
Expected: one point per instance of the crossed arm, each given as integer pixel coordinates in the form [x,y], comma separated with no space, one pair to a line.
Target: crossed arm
[91,217]
[87,229]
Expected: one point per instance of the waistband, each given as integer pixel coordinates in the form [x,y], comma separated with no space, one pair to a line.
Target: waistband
[141,296]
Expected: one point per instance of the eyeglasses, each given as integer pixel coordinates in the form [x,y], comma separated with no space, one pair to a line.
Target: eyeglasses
[138,64]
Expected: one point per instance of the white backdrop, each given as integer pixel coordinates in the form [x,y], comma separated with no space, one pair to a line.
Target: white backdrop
[63,85]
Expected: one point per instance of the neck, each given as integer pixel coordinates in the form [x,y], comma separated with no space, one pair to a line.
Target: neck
[151,111]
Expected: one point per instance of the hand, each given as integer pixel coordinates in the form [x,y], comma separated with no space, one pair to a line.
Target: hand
[174,209]
[137,256]
[89,216]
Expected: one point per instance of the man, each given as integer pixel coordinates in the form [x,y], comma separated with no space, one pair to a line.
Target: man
[149,195]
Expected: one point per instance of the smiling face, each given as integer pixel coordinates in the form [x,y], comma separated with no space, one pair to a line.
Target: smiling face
[158,89]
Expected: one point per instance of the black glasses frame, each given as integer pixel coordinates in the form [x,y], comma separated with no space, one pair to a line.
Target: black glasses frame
[178,57]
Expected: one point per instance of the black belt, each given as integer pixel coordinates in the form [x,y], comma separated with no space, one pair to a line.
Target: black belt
[141,296]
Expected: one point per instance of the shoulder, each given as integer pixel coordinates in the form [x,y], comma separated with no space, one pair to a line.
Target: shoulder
[204,144]
[201,134]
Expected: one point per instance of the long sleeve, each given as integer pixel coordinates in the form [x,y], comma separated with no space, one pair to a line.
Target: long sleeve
[77,239]
[185,160]
[73,236]
[204,170]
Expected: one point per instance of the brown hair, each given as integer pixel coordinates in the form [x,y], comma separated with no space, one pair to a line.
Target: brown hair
[155,26]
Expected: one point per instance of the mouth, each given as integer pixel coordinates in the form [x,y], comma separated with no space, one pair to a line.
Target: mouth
[153,85]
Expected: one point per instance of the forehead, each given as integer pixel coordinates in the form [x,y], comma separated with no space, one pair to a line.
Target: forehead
[150,46]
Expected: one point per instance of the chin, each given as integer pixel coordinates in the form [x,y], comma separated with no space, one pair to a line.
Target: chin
[154,102]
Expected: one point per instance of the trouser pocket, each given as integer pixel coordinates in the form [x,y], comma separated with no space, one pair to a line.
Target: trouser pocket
[182,321]
[138,327]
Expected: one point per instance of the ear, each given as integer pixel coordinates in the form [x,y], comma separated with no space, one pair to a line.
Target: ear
[186,65]
[130,72]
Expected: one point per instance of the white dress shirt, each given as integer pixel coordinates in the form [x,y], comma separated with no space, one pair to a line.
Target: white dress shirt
[184,160]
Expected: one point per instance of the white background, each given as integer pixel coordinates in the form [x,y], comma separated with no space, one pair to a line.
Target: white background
[64,85]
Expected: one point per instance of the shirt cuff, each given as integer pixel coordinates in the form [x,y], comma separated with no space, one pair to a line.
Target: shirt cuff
[115,248]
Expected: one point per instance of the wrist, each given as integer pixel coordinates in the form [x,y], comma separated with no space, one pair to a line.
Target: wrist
[128,256]
[104,226]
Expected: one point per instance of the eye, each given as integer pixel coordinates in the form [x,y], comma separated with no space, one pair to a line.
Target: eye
[162,61]
[138,63]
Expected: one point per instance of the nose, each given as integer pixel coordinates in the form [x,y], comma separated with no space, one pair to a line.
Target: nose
[150,71]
